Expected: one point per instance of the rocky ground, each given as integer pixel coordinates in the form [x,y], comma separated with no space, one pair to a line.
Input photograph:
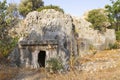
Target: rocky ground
[103,65]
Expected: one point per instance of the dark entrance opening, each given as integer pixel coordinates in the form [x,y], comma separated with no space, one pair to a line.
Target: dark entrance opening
[41,58]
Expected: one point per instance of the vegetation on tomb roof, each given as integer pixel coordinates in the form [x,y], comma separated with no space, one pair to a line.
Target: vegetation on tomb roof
[57,8]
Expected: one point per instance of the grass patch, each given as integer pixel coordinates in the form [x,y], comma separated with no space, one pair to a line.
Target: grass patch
[7,72]
[54,65]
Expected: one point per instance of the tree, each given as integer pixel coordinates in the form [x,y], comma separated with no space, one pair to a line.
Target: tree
[12,15]
[3,23]
[27,6]
[6,22]
[114,13]
[99,19]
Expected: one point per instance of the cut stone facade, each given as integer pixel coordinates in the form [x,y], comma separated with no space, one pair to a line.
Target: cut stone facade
[46,36]
[36,53]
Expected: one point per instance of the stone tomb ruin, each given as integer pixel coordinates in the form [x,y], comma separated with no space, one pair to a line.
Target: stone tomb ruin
[36,53]
[45,35]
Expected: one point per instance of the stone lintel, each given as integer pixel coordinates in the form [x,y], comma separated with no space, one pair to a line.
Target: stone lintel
[38,43]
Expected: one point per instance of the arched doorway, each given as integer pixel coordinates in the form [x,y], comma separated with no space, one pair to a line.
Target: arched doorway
[41,58]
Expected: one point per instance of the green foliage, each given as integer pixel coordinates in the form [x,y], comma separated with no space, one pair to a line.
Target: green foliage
[114,46]
[98,19]
[54,65]
[3,23]
[91,47]
[114,14]
[7,21]
[8,18]
[57,8]
[118,35]
[27,6]
[12,15]
[3,8]
[5,49]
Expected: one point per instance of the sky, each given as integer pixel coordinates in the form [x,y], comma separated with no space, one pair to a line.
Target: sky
[74,7]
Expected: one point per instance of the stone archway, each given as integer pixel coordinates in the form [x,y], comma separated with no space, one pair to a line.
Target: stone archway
[41,58]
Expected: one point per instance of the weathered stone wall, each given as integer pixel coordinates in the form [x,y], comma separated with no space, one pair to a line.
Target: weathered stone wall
[46,25]
[89,37]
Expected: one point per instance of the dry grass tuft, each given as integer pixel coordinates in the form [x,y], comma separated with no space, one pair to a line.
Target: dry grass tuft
[7,72]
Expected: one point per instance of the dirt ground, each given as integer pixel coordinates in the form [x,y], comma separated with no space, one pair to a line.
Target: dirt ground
[104,65]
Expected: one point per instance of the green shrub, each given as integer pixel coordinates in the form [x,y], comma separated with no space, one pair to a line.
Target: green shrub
[99,19]
[54,65]
[57,8]
[118,35]
[114,46]
[7,46]
[91,47]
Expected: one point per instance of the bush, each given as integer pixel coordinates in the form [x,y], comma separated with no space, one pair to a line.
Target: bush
[91,47]
[118,35]
[114,46]
[99,19]
[6,48]
[57,8]
[54,65]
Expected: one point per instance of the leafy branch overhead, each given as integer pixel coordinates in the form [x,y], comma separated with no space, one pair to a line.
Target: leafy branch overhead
[8,19]
[99,19]
[27,6]
[114,14]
